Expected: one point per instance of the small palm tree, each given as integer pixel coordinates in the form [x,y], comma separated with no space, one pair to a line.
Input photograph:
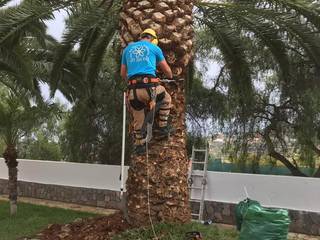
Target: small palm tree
[17,118]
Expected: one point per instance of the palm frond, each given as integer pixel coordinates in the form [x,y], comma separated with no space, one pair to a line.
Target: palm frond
[232,49]
[17,20]
[87,41]
[76,30]
[23,18]
[18,64]
[310,10]
[18,116]
[97,53]
[4,2]
[270,37]
[93,29]
[286,24]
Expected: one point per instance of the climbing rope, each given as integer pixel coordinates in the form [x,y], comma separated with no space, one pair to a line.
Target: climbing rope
[148,193]
[148,175]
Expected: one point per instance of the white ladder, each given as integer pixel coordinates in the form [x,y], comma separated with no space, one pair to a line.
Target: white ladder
[197,181]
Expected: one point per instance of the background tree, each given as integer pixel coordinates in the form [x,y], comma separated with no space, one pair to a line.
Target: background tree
[88,77]
[85,77]
[43,142]
[276,50]
[17,117]
[21,31]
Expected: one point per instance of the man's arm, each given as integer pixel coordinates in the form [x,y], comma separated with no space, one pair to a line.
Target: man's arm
[123,72]
[165,69]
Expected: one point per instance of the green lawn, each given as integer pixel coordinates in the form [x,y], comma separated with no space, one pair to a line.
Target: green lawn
[33,218]
[178,232]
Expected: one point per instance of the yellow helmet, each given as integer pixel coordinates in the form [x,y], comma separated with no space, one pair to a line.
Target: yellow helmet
[153,34]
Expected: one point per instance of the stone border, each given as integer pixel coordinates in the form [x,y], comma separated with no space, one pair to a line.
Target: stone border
[84,196]
[301,222]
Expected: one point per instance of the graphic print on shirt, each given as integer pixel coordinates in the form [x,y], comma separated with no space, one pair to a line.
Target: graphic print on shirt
[139,54]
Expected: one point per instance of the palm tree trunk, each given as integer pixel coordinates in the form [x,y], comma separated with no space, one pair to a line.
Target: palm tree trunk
[10,156]
[167,165]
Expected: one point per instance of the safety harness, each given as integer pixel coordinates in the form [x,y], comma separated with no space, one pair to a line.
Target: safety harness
[149,83]
[143,80]
[153,106]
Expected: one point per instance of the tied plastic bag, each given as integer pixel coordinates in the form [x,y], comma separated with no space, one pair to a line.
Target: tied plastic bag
[241,208]
[257,222]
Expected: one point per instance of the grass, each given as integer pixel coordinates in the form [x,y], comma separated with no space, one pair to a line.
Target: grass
[31,219]
[178,232]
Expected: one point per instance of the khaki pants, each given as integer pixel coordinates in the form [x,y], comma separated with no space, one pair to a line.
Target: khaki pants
[139,115]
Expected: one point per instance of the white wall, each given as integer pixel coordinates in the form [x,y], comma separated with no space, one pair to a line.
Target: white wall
[67,174]
[295,193]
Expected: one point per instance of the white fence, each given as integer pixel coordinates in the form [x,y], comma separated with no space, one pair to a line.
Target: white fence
[67,174]
[295,193]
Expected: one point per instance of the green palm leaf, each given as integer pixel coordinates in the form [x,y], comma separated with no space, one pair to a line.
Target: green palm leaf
[265,17]
[93,27]
[4,2]
[18,116]
[231,46]
[18,64]
[308,9]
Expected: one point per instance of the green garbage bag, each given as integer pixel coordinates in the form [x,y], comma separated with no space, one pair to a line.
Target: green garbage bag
[241,209]
[262,223]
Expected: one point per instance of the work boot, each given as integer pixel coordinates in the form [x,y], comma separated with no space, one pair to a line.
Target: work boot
[140,149]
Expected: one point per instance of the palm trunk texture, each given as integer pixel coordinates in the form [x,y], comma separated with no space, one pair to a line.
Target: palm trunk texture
[10,156]
[168,162]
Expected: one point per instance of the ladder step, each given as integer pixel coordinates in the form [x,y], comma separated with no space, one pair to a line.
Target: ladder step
[199,150]
[195,200]
[197,174]
[200,188]
[198,162]
[201,170]
[195,214]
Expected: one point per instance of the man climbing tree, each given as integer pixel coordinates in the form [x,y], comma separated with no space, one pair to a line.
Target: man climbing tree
[138,67]
[167,164]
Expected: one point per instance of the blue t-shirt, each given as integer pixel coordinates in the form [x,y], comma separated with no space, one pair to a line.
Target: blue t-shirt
[141,58]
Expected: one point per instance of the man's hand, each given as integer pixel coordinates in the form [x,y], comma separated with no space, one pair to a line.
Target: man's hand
[163,65]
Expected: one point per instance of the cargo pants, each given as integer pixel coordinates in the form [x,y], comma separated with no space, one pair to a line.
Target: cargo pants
[138,110]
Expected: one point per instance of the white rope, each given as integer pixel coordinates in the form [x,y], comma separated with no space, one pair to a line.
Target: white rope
[148,181]
[148,194]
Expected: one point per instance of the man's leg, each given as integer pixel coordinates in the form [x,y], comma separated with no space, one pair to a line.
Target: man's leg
[137,103]
[164,110]
[138,119]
